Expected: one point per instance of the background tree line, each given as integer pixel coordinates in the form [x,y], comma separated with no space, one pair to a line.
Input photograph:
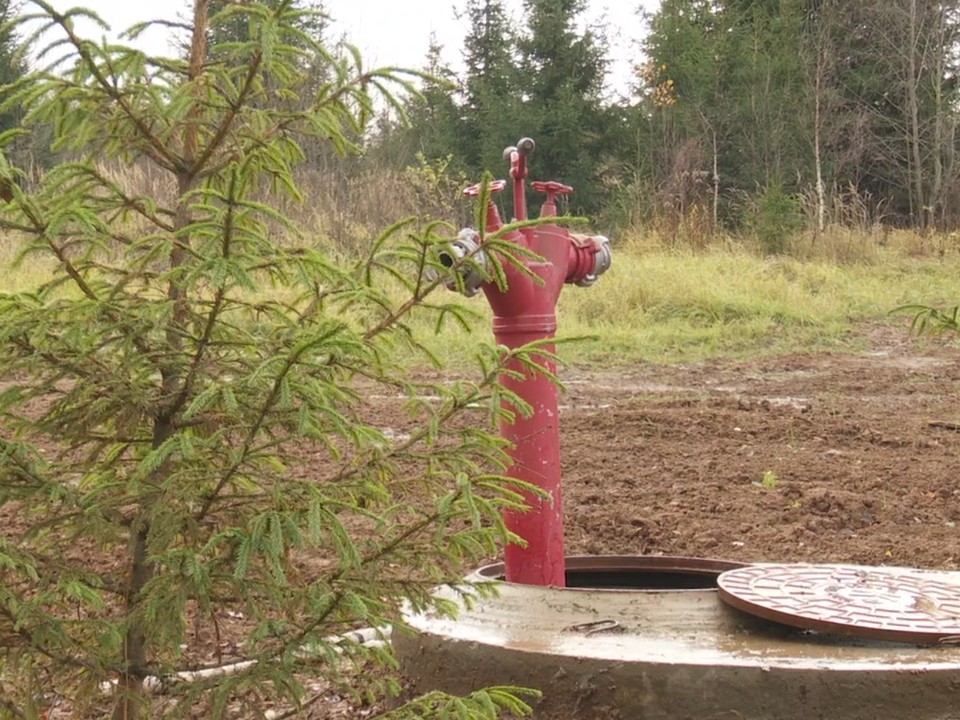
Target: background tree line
[765,116]
[757,116]
[750,106]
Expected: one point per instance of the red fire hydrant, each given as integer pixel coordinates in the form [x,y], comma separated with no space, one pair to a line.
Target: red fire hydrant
[525,312]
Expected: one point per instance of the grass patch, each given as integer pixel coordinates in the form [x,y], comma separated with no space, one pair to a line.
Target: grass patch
[21,276]
[666,305]
[674,306]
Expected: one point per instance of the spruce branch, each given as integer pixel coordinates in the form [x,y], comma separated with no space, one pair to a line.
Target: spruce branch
[158,150]
[27,637]
[251,435]
[235,107]
[213,316]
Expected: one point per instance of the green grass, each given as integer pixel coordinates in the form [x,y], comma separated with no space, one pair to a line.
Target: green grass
[667,306]
[27,274]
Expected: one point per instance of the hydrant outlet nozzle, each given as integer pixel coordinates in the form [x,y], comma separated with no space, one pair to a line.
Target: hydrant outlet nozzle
[464,259]
[602,259]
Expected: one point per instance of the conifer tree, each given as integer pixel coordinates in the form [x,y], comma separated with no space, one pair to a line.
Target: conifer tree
[12,62]
[186,420]
[230,24]
[435,122]
[492,91]
[562,82]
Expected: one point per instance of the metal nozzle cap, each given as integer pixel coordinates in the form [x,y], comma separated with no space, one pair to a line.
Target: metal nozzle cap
[526,146]
[602,260]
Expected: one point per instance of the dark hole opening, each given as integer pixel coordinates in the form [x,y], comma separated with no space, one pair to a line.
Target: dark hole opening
[641,580]
[607,572]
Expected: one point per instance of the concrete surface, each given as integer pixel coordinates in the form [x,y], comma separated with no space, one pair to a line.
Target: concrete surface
[672,655]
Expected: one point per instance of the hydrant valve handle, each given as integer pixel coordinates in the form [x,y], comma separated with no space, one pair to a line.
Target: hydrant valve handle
[551,188]
[495,187]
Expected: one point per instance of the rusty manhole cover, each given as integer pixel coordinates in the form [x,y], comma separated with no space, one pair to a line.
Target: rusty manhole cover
[877,603]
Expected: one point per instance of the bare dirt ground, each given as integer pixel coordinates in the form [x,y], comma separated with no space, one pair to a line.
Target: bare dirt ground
[822,458]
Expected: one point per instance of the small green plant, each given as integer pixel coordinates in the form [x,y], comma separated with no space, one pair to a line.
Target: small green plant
[768,480]
[437,186]
[188,418]
[931,320]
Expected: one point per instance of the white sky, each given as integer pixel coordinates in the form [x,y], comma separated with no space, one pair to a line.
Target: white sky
[394,32]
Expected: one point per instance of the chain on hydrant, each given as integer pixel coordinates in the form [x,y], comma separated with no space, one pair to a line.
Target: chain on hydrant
[525,312]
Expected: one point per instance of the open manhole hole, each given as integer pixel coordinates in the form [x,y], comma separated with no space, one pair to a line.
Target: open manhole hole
[633,572]
[890,604]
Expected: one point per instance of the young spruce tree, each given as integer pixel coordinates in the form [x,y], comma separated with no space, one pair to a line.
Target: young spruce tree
[187,433]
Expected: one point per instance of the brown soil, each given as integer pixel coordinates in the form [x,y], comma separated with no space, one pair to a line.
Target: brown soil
[860,456]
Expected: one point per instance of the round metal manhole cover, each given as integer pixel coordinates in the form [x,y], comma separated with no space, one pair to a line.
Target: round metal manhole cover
[877,603]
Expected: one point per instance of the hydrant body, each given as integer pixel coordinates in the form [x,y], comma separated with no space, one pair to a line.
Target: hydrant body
[525,312]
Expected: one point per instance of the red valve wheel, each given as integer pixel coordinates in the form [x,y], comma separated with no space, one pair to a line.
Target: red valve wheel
[551,188]
[495,187]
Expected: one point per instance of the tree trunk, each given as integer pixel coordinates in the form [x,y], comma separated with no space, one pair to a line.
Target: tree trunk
[818,157]
[940,118]
[130,702]
[716,183]
[130,685]
[913,109]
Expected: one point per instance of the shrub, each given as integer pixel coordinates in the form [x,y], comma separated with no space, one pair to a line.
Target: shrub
[774,217]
